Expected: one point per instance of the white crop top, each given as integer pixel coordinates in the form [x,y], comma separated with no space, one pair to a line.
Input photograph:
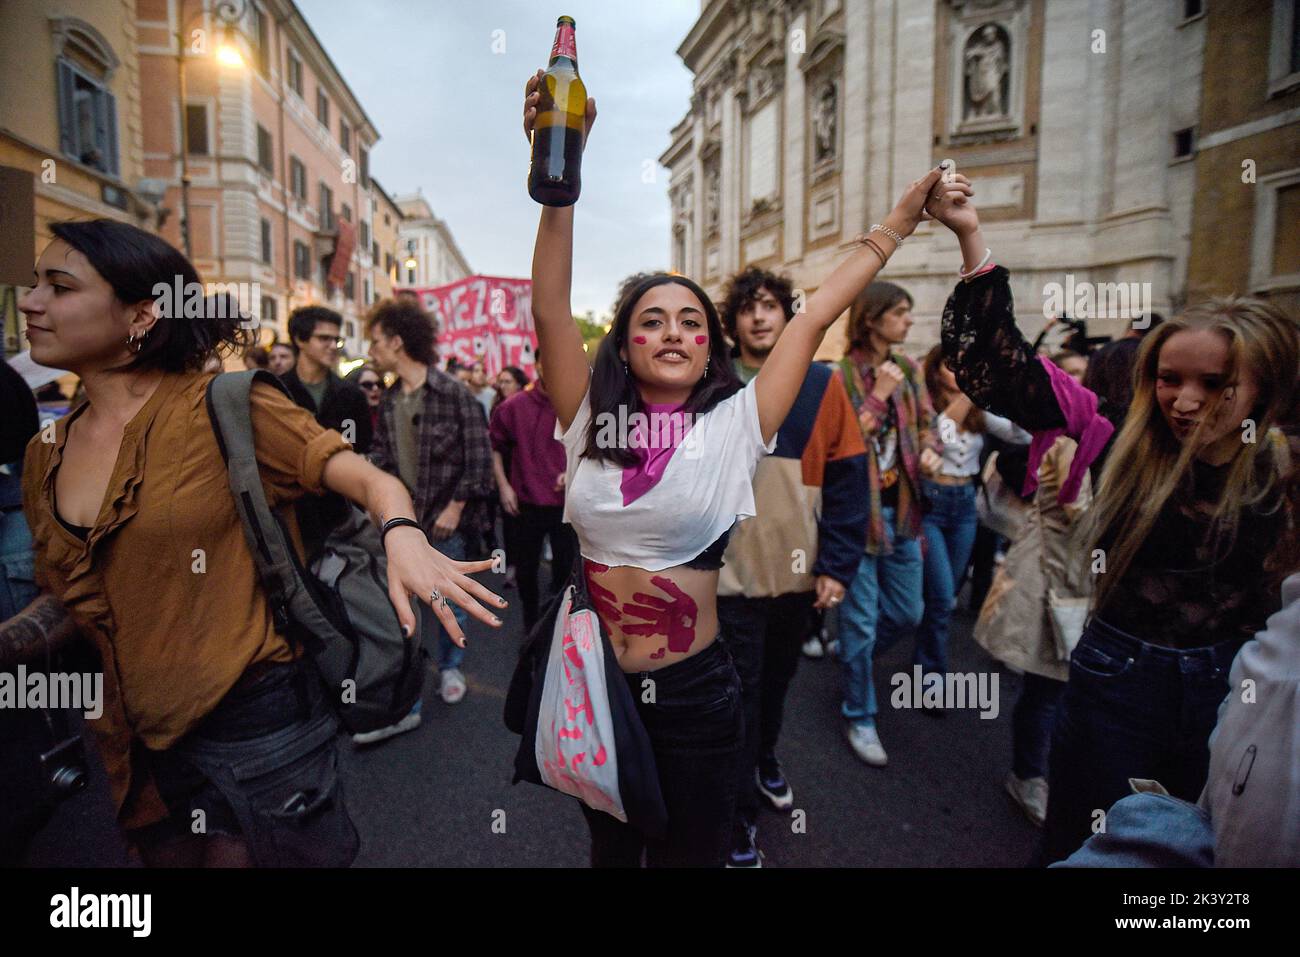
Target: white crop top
[961,449]
[706,487]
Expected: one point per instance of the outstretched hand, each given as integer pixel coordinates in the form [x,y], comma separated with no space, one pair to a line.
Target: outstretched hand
[533,103]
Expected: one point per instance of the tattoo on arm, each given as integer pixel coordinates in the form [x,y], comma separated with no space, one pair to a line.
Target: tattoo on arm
[42,626]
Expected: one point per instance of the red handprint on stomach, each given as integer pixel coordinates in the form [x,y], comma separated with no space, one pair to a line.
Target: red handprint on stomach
[606,601]
[675,618]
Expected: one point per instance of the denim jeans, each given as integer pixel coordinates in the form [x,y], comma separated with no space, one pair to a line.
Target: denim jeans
[1130,710]
[949,528]
[449,654]
[695,728]
[883,604]
[1032,721]
[764,636]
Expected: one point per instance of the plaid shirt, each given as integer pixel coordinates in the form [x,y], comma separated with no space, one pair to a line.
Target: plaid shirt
[913,416]
[454,453]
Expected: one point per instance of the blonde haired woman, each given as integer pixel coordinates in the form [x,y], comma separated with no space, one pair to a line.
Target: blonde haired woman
[1187,510]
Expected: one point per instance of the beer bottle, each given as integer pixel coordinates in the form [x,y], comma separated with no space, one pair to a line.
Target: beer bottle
[554,176]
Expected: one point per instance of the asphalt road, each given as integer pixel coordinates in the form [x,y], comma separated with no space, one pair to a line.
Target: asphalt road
[440,796]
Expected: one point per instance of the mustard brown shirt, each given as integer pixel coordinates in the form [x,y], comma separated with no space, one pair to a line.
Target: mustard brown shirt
[164,584]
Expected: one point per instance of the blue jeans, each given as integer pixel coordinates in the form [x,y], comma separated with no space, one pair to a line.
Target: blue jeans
[1130,710]
[949,529]
[449,654]
[883,602]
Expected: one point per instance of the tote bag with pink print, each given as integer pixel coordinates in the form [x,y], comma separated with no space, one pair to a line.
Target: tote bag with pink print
[582,733]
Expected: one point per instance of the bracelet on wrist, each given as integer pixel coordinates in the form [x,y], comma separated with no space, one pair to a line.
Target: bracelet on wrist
[393,523]
[889,231]
[966,274]
[875,248]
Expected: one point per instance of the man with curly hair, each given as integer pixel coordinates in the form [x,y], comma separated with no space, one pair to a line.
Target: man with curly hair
[433,435]
[801,550]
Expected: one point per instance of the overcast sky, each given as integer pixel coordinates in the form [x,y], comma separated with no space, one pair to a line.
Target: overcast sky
[449,115]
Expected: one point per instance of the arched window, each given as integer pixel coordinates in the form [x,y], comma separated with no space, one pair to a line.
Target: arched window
[84,65]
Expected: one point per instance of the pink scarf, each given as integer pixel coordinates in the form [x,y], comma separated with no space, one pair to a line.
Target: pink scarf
[653,445]
[1082,423]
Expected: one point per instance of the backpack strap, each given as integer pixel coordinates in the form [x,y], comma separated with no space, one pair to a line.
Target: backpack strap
[230,409]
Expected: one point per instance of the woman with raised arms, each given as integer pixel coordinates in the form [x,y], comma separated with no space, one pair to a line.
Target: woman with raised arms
[1188,508]
[653,513]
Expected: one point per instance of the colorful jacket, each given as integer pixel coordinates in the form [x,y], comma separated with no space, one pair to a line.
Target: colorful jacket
[808,499]
[915,415]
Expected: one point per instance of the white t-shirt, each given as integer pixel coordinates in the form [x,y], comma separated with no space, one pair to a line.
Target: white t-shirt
[706,487]
[961,449]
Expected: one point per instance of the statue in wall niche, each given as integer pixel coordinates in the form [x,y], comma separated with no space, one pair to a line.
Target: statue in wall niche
[987,69]
[824,114]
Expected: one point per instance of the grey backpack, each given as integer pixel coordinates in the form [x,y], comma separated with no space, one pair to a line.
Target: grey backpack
[339,610]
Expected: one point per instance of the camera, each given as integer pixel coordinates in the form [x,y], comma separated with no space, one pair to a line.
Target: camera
[63,769]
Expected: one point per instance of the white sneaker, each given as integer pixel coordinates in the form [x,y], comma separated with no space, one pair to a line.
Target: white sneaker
[866,744]
[812,648]
[1031,795]
[408,723]
[453,686]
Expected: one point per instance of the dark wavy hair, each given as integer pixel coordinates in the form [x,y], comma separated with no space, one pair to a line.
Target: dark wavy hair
[303,320]
[133,262]
[612,387]
[744,289]
[404,316]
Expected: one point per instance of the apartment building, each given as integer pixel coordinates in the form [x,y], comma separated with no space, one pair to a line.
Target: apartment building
[71,120]
[277,156]
[430,256]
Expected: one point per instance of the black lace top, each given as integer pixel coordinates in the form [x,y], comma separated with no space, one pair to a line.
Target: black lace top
[1182,590]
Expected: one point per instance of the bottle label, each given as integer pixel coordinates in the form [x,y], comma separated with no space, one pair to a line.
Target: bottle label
[565,43]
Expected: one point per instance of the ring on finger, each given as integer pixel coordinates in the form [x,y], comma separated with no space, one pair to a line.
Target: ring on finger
[436,598]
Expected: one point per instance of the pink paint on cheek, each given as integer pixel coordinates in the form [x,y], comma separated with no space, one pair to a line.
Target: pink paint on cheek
[700,340]
[639,340]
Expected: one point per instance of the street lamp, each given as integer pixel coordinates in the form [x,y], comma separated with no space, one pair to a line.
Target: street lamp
[229,12]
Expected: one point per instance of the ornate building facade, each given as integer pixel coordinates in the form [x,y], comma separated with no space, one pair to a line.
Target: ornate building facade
[809,119]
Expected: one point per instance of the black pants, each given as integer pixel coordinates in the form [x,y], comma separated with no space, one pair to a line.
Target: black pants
[534,524]
[262,766]
[691,711]
[764,635]
[981,567]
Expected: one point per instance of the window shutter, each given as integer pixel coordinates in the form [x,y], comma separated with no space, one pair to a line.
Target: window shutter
[110,111]
[67,109]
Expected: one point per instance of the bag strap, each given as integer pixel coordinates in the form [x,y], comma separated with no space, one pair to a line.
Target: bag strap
[230,409]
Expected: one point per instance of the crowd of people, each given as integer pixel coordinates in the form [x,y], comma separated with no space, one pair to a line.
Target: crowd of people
[1123,538]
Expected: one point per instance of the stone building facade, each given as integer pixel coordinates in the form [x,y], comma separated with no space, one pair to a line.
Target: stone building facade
[809,118]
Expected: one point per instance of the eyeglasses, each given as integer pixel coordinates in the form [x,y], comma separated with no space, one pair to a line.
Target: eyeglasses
[370,385]
[336,341]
